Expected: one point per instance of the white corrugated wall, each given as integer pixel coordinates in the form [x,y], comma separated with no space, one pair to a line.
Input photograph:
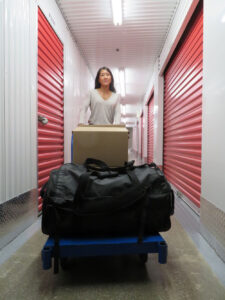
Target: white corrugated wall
[17,99]
[213,141]
[2,103]
[181,18]
[18,106]
[139,135]
[145,141]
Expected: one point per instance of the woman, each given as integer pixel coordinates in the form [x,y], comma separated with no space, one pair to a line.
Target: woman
[103,101]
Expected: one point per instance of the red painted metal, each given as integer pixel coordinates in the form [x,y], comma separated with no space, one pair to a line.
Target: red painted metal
[183,111]
[139,137]
[50,102]
[142,136]
[150,148]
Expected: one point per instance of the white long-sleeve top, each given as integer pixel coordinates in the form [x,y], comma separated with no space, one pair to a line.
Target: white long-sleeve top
[103,112]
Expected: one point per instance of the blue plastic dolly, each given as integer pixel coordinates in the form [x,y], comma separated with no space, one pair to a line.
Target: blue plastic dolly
[64,248]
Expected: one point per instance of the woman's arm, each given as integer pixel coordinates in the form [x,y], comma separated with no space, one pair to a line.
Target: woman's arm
[84,108]
[117,116]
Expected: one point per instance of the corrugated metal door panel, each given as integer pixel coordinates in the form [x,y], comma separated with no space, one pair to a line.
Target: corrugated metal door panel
[50,102]
[150,129]
[183,111]
[143,125]
[142,135]
[139,135]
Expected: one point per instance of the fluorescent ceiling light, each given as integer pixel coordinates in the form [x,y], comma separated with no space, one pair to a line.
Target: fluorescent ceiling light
[117,12]
[122,83]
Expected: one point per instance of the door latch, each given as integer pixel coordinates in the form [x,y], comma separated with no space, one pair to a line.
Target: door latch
[42,119]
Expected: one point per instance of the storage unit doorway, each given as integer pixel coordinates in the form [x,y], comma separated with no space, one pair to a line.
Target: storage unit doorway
[183,111]
[150,141]
[142,135]
[50,102]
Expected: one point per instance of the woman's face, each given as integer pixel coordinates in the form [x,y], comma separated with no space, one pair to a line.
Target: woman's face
[104,78]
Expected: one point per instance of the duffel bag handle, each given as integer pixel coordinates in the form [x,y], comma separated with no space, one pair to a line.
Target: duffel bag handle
[102,166]
[102,170]
[104,174]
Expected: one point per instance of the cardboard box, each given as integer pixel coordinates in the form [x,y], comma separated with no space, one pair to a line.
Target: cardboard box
[108,143]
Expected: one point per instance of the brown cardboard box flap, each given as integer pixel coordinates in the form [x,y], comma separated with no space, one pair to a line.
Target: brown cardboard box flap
[101,128]
[111,125]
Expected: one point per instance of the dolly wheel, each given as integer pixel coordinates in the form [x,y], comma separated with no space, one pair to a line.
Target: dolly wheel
[64,262]
[143,257]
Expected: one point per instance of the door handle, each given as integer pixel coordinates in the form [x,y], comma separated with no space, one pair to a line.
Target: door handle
[42,119]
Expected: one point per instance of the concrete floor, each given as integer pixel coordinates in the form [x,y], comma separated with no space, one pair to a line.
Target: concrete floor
[185,276]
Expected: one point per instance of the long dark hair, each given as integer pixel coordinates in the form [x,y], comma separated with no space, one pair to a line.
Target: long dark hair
[98,85]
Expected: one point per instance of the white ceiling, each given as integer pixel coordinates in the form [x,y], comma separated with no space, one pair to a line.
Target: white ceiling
[139,39]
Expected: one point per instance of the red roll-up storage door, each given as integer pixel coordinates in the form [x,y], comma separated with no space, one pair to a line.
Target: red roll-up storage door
[50,102]
[183,111]
[142,134]
[150,129]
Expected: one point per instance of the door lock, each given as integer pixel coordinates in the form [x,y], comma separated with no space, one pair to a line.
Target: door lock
[42,119]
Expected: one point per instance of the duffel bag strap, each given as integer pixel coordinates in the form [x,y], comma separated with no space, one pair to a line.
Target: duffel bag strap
[43,190]
[144,213]
[143,218]
[56,254]
[144,206]
[82,183]
[133,177]
[172,202]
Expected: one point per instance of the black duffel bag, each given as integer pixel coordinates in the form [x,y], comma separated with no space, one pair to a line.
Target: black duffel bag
[93,200]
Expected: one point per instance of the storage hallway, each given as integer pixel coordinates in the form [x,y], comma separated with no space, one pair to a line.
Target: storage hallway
[167,58]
